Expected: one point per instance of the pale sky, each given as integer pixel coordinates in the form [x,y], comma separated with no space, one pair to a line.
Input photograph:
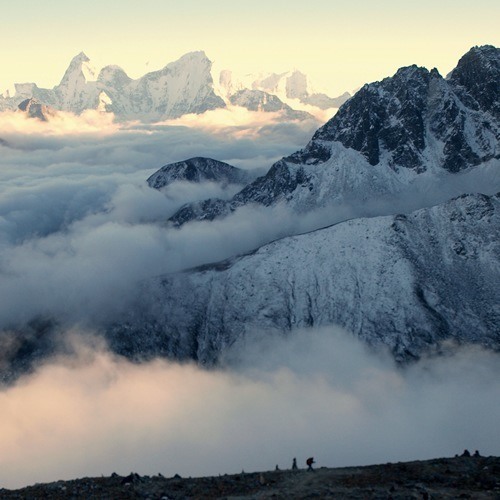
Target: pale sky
[339,44]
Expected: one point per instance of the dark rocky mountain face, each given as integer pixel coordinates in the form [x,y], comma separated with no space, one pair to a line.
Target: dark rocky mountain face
[264,190]
[400,119]
[35,109]
[201,210]
[198,170]
[381,115]
[478,73]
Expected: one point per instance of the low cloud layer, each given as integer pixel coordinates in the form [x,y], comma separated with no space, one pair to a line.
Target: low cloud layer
[320,393]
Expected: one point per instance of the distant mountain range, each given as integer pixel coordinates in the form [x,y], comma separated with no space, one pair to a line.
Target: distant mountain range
[182,87]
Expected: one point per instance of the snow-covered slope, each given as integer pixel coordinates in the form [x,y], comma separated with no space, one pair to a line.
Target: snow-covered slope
[407,281]
[390,138]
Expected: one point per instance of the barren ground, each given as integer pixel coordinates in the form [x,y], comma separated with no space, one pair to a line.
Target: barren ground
[461,477]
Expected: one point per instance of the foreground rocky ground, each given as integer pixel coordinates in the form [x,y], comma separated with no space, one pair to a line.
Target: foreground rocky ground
[460,477]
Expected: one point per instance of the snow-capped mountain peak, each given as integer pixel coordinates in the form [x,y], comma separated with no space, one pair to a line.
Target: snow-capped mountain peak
[181,87]
[113,75]
[77,90]
[80,66]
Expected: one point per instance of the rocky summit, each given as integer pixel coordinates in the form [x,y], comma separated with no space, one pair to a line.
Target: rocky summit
[478,73]
[35,109]
[459,477]
[199,170]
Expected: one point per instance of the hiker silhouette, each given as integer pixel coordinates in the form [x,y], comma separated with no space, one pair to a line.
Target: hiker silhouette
[310,462]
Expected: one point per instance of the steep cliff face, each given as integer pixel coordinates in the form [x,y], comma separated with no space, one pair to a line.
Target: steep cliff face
[77,90]
[413,124]
[405,281]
